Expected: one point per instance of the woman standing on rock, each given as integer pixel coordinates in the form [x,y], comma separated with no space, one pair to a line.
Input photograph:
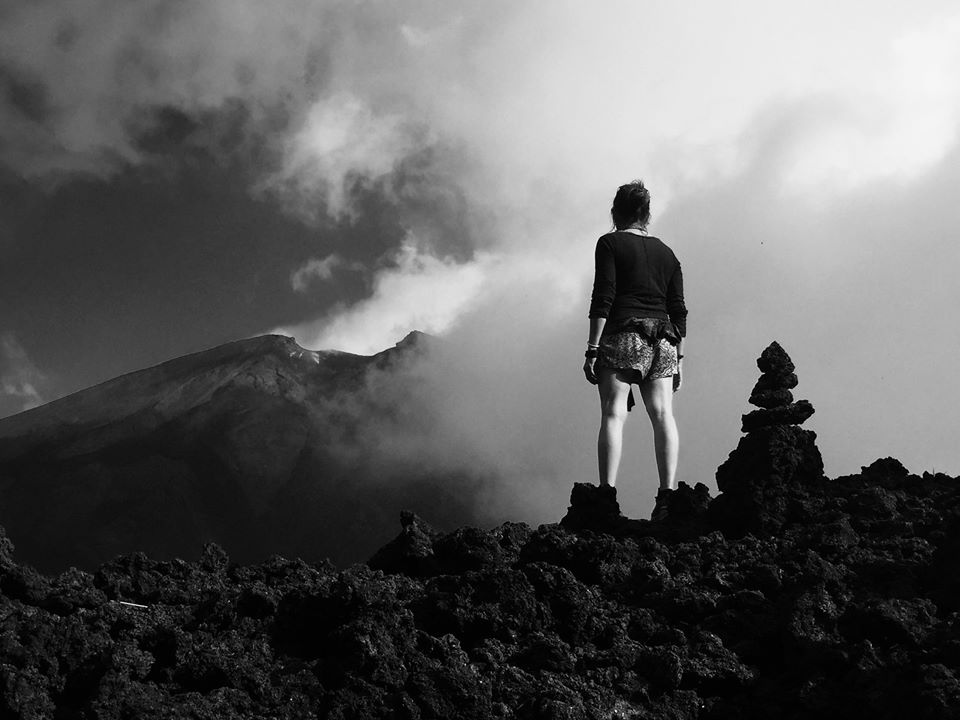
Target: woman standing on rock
[637,326]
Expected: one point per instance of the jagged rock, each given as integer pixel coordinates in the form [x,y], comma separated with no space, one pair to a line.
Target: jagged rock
[683,510]
[772,393]
[885,468]
[411,552]
[939,694]
[775,360]
[770,398]
[592,507]
[771,458]
[776,381]
[773,462]
[214,559]
[793,414]
[468,549]
[514,622]
[891,620]
[6,550]
[773,387]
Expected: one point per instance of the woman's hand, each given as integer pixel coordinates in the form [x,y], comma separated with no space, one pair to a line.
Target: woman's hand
[590,370]
[678,376]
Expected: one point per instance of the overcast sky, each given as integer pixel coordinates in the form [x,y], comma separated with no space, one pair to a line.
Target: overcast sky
[176,175]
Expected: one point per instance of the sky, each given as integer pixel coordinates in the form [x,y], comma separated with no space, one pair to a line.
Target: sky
[176,175]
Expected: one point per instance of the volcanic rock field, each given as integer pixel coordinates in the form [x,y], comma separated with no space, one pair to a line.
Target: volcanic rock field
[790,595]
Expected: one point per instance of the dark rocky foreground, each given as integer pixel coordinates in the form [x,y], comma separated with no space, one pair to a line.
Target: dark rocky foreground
[788,596]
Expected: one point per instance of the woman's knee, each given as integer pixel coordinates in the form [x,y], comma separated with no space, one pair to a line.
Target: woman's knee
[614,409]
[658,401]
[660,413]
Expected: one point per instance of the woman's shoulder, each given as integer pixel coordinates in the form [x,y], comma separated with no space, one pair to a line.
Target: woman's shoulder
[622,236]
[659,242]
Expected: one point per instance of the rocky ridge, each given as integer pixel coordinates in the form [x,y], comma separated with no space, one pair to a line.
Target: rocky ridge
[788,596]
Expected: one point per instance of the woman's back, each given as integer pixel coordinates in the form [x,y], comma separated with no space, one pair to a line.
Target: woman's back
[637,276]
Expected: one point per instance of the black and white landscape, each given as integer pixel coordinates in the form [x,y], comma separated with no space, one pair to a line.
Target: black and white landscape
[281,280]
[789,595]
[253,445]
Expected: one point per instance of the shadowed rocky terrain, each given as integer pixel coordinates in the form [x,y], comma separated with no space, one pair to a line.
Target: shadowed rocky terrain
[788,596]
[259,445]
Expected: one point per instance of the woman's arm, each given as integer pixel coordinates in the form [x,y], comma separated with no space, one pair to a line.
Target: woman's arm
[677,310]
[676,307]
[604,291]
[604,279]
[590,363]
[678,378]
[596,330]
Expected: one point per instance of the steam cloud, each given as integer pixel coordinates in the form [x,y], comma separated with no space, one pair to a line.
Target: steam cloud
[21,381]
[806,193]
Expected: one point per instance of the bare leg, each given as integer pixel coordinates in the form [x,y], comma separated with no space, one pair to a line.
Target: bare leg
[658,400]
[614,388]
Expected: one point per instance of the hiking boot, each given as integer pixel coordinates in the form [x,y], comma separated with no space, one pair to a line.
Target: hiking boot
[661,509]
[592,507]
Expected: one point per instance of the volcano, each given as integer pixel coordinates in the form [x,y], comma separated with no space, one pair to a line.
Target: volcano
[253,444]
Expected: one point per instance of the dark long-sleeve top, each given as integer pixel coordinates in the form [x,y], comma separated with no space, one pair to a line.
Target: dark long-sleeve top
[637,276]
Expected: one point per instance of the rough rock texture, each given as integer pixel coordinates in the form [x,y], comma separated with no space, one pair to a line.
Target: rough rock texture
[772,393]
[852,609]
[592,506]
[775,462]
[841,600]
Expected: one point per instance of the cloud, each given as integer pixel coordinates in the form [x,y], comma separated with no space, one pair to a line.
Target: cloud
[898,121]
[788,188]
[798,168]
[99,68]
[318,269]
[20,379]
[417,291]
[340,139]
[324,87]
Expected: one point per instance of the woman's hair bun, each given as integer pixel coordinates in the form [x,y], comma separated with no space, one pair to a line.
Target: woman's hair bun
[631,205]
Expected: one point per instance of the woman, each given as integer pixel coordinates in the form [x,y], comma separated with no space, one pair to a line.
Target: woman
[637,326]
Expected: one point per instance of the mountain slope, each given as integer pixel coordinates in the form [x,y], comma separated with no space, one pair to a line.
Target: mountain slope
[244,444]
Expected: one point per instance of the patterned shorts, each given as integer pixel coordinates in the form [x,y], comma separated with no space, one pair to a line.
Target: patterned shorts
[631,351]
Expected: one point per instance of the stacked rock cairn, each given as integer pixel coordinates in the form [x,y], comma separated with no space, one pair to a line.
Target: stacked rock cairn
[775,461]
[772,392]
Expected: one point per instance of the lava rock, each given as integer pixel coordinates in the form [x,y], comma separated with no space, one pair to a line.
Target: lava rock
[774,360]
[6,550]
[592,507]
[770,398]
[764,480]
[776,381]
[411,552]
[794,414]
[771,458]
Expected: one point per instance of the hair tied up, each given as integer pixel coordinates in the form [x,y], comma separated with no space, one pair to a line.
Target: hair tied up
[631,205]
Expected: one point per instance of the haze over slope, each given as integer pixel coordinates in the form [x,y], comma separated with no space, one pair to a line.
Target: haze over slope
[258,444]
